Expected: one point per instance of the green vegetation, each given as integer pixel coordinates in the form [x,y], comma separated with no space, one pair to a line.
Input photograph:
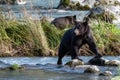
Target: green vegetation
[53,34]
[78,6]
[105,16]
[40,38]
[66,2]
[20,39]
[15,67]
[107,37]
[72,5]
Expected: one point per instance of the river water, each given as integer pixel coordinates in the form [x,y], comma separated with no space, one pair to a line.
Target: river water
[36,9]
[45,68]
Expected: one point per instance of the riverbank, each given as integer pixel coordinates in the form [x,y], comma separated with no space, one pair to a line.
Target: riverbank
[40,38]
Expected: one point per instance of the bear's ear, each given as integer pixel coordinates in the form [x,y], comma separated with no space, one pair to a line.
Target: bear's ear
[74,17]
[76,22]
[86,21]
[69,17]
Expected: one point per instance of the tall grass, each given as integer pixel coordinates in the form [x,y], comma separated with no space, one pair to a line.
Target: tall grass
[39,37]
[53,34]
[4,39]
[107,37]
[27,38]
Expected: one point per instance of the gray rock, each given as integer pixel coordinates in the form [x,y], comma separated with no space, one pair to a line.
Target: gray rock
[97,10]
[74,63]
[113,63]
[97,61]
[92,69]
[106,73]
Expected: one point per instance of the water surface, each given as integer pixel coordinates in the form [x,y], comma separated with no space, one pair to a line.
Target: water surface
[45,68]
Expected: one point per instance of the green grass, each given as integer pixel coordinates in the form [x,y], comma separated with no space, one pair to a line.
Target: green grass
[53,34]
[19,34]
[38,38]
[26,38]
[107,37]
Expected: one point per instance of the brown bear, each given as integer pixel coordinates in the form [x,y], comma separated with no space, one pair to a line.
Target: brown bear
[74,38]
[63,22]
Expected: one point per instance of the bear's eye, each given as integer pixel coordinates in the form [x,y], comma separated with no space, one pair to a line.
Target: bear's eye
[79,27]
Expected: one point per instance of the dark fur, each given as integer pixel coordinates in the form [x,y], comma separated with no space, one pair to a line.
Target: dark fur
[63,22]
[97,61]
[72,42]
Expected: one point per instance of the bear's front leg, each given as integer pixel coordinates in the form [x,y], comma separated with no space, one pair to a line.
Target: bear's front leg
[61,53]
[92,46]
[74,52]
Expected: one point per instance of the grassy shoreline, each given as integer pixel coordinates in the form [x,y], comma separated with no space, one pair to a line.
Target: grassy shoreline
[40,38]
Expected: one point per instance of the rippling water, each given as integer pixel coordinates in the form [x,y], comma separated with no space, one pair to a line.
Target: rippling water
[45,68]
[44,75]
[45,60]
[38,8]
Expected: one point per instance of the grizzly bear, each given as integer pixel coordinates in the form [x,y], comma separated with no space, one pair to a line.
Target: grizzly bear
[74,38]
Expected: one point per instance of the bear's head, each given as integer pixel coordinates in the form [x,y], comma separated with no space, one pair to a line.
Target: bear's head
[81,28]
[71,19]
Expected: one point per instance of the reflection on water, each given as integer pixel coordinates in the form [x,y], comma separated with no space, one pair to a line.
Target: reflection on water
[45,75]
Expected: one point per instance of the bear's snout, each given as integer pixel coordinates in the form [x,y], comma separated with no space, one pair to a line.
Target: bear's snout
[77,32]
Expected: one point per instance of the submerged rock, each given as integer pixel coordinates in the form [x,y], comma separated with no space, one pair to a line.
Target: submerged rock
[14,67]
[97,61]
[106,73]
[104,62]
[113,63]
[7,1]
[74,63]
[92,69]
